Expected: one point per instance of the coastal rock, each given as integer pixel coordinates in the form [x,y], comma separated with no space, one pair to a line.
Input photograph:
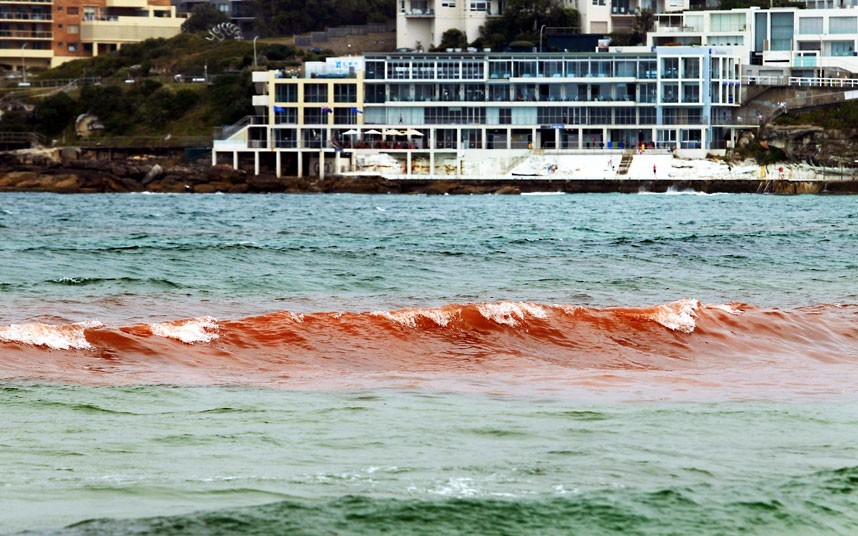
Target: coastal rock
[263,183]
[212,187]
[508,190]
[155,172]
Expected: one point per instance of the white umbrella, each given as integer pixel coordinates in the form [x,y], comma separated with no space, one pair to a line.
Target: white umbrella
[373,131]
[413,132]
[392,132]
[351,132]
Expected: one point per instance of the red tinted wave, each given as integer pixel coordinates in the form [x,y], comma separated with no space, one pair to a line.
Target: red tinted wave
[482,345]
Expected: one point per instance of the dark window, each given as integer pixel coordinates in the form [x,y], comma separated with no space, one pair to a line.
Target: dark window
[286,92]
[316,93]
[345,93]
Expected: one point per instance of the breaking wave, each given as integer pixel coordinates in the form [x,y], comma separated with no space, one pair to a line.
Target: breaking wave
[521,342]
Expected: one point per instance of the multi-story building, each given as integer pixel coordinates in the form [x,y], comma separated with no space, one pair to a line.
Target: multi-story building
[421,23]
[46,33]
[774,41]
[449,110]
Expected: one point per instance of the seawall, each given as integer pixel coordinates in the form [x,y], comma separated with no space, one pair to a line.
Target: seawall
[229,181]
[35,172]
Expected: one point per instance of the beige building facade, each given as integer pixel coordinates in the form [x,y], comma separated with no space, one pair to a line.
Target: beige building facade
[46,33]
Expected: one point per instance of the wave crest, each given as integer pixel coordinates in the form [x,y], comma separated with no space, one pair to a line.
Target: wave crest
[189,331]
[520,341]
[61,337]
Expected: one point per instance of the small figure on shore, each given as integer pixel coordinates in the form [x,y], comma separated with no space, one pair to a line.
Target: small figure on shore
[654,170]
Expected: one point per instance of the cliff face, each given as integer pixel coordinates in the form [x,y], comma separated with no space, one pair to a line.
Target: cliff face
[815,144]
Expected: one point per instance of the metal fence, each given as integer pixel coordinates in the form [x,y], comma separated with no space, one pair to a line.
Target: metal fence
[343,31]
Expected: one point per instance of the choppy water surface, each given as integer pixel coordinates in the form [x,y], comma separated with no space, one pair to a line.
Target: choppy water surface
[427,463]
[133,257]
[650,364]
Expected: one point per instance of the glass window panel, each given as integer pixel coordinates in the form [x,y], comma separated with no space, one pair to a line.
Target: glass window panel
[286,92]
[843,25]
[810,25]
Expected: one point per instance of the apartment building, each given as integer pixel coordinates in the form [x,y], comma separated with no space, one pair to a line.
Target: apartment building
[421,23]
[449,111]
[46,33]
[814,42]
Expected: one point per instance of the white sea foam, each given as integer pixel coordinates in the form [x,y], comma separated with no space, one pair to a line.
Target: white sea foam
[678,316]
[543,193]
[189,331]
[64,337]
[727,308]
[456,487]
[409,317]
[510,313]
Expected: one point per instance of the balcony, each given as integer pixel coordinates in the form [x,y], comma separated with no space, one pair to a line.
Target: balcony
[420,13]
[139,4]
[26,34]
[129,29]
[18,15]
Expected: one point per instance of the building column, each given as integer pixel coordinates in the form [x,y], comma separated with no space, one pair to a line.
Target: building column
[321,164]
[214,158]
[336,162]
[235,160]
[431,163]
[604,137]
[300,164]
[580,138]
[256,162]
[408,164]
[277,171]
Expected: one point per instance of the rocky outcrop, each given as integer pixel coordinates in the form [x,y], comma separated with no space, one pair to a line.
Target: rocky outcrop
[810,143]
[65,172]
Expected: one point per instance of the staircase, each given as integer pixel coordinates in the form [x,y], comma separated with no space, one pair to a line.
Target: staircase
[625,163]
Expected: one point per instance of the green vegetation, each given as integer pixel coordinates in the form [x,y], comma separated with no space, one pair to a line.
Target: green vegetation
[146,89]
[844,116]
[452,38]
[643,24]
[203,17]
[287,17]
[522,21]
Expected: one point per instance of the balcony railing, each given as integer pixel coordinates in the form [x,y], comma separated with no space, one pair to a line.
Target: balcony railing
[18,15]
[420,13]
[26,34]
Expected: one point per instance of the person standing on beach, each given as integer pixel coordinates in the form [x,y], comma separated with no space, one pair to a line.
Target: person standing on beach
[654,170]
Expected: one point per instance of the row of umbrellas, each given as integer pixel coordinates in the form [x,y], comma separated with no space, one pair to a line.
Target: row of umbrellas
[388,132]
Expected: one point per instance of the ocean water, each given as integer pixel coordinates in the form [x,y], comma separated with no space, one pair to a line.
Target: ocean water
[546,364]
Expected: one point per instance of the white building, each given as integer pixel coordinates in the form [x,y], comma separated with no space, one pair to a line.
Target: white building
[421,23]
[478,114]
[775,41]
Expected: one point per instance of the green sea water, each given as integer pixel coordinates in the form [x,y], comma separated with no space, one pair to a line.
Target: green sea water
[162,460]
[221,459]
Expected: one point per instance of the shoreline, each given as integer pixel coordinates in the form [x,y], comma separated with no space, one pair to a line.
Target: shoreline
[67,171]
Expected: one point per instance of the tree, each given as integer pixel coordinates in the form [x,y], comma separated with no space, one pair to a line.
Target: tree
[522,20]
[452,38]
[287,17]
[54,113]
[644,22]
[203,17]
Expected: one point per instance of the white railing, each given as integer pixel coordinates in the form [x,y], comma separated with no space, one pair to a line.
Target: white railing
[797,81]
